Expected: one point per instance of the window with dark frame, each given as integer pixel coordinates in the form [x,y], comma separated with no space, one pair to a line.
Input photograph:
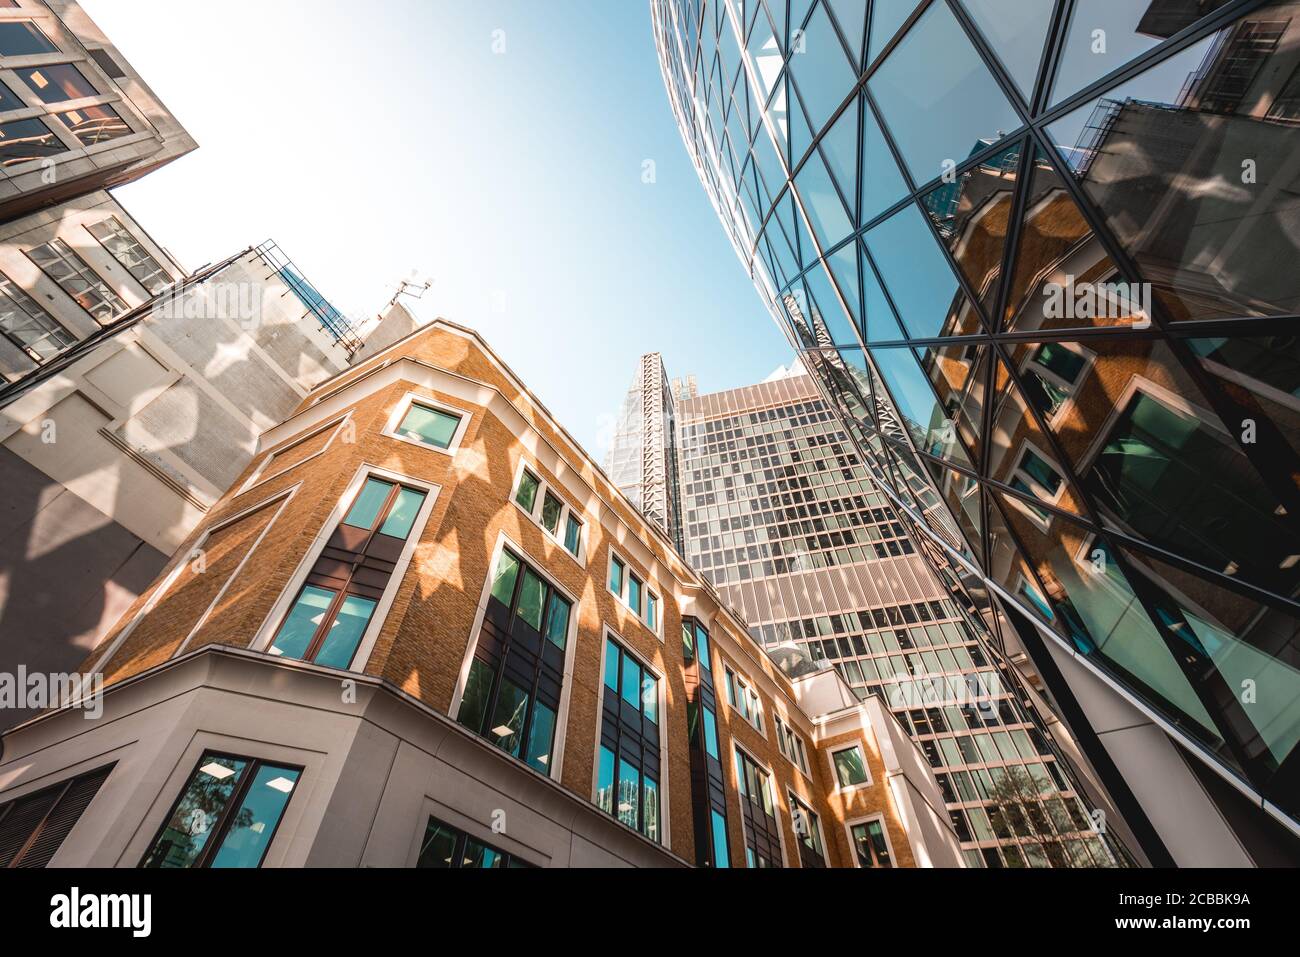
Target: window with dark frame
[227,814]
[807,828]
[33,827]
[850,767]
[516,675]
[332,610]
[444,846]
[709,788]
[629,770]
[758,812]
[870,845]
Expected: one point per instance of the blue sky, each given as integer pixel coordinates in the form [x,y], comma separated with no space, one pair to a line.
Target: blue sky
[371,140]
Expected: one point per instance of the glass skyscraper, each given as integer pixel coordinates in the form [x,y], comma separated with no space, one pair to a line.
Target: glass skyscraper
[1040,256]
[781,516]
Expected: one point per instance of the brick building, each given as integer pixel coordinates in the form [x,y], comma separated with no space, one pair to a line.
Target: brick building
[422,627]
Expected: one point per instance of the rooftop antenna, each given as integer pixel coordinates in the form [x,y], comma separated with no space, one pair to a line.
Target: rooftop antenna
[412,287]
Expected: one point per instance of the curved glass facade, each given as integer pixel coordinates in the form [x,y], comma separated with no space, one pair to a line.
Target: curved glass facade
[1041,254]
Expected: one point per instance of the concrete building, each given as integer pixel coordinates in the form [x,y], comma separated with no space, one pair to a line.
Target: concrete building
[75,117]
[422,628]
[1044,288]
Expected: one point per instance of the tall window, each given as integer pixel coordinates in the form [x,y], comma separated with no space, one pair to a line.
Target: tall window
[447,847]
[57,260]
[328,618]
[423,423]
[870,845]
[131,254]
[550,511]
[33,827]
[758,807]
[628,778]
[744,699]
[226,816]
[695,644]
[807,828]
[512,694]
[631,590]
[791,745]
[709,800]
[28,326]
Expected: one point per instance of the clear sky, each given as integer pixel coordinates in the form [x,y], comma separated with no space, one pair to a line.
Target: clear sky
[375,139]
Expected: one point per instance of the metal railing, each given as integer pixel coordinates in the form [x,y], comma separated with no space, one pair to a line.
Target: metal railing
[333,321]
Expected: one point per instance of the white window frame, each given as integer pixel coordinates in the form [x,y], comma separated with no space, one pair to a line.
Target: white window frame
[535,516]
[1071,388]
[776,796]
[834,749]
[884,827]
[265,633]
[570,648]
[732,676]
[417,398]
[646,591]
[608,633]
[793,800]
[779,722]
[1040,491]
[338,424]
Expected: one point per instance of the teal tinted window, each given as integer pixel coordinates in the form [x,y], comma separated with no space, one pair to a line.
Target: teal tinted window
[650,696]
[650,808]
[526,495]
[540,738]
[572,534]
[711,733]
[612,654]
[634,593]
[430,426]
[503,584]
[652,612]
[616,577]
[557,619]
[300,625]
[189,827]
[721,853]
[605,781]
[340,645]
[253,824]
[530,599]
[702,647]
[507,724]
[629,793]
[631,682]
[402,515]
[368,504]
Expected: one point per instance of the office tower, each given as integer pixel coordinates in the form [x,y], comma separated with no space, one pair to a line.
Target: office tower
[1035,254]
[422,628]
[642,458]
[131,393]
[781,516]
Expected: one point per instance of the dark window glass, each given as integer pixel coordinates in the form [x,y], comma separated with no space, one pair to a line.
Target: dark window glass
[526,495]
[447,847]
[551,509]
[55,84]
[23,38]
[870,845]
[572,534]
[850,769]
[94,124]
[33,827]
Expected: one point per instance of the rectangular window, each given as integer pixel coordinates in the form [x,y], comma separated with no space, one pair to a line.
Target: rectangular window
[448,847]
[428,425]
[758,806]
[634,594]
[572,535]
[870,845]
[330,615]
[226,816]
[526,494]
[616,577]
[57,260]
[58,84]
[807,828]
[22,141]
[629,736]
[512,693]
[721,849]
[33,827]
[652,611]
[744,699]
[131,255]
[24,323]
[94,124]
[551,509]
[850,768]
[23,38]
[791,745]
